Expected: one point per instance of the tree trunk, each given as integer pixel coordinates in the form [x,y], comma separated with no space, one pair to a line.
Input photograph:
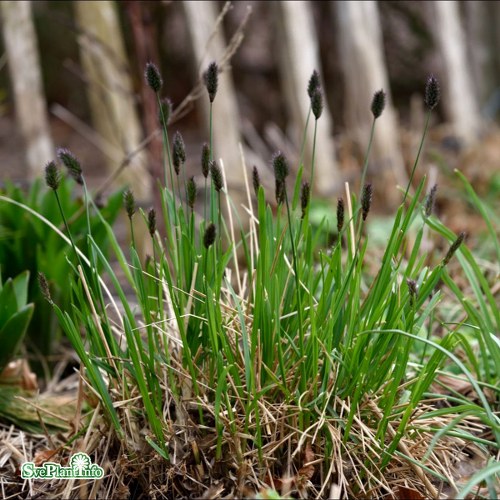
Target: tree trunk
[459,99]
[110,91]
[298,56]
[365,72]
[24,67]
[480,29]
[201,19]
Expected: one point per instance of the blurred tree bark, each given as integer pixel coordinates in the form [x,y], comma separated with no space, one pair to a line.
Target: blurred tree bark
[298,55]
[459,98]
[201,20]
[365,72]
[480,26]
[476,28]
[110,91]
[21,47]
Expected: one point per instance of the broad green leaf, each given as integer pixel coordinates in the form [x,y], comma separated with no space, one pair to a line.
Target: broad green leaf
[12,334]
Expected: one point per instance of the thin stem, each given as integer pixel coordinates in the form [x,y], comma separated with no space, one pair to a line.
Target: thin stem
[210,128]
[219,246]
[297,284]
[418,154]
[304,136]
[367,156]
[132,232]
[205,204]
[179,189]
[313,154]
[67,228]
[165,146]
[166,149]
[185,187]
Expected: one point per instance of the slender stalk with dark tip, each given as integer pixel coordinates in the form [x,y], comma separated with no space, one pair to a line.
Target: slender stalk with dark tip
[205,170]
[314,83]
[211,79]
[317,109]
[377,107]
[431,99]
[130,208]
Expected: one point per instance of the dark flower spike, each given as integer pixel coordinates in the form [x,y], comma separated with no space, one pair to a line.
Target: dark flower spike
[165,110]
[191,192]
[378,103]
[454,247]
[432,92]
[152,222]
[216,173]
[205,160]
[179,152]
[256,180]
[304,197]
[280,166]
[71,163]
[340,214]
[366,199]
[44,287]
[280,191]
[431,199]
[413,290]
[153,77]
[52,175]
[317,102]
[313,84]
[211,79]
[209,236]
[129,203]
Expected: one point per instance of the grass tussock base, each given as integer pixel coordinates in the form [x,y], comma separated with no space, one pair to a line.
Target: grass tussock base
[311,464]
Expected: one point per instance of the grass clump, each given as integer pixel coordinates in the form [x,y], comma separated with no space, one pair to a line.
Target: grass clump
[296,369]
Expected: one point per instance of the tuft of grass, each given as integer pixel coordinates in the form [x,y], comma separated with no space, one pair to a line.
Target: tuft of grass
[309,375]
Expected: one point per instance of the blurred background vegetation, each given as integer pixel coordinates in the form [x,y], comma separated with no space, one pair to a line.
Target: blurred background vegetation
[90,58]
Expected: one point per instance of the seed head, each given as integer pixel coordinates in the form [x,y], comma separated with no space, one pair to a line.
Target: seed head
[340,214]
[209,236]
[71,163]
[454,247]
[129,203]
[256,180]
[191,192]
[280,191]
[153,77]
[431,198]
[205,160]
[152,222]
[313,84]
[366,199]
[44,287]
[52,176]
[378,103]
[165,111]
[211,80]
[304,197]
[179,152]
[280,166]
[216,173]
[432,92]
[317,102]
[413,290]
